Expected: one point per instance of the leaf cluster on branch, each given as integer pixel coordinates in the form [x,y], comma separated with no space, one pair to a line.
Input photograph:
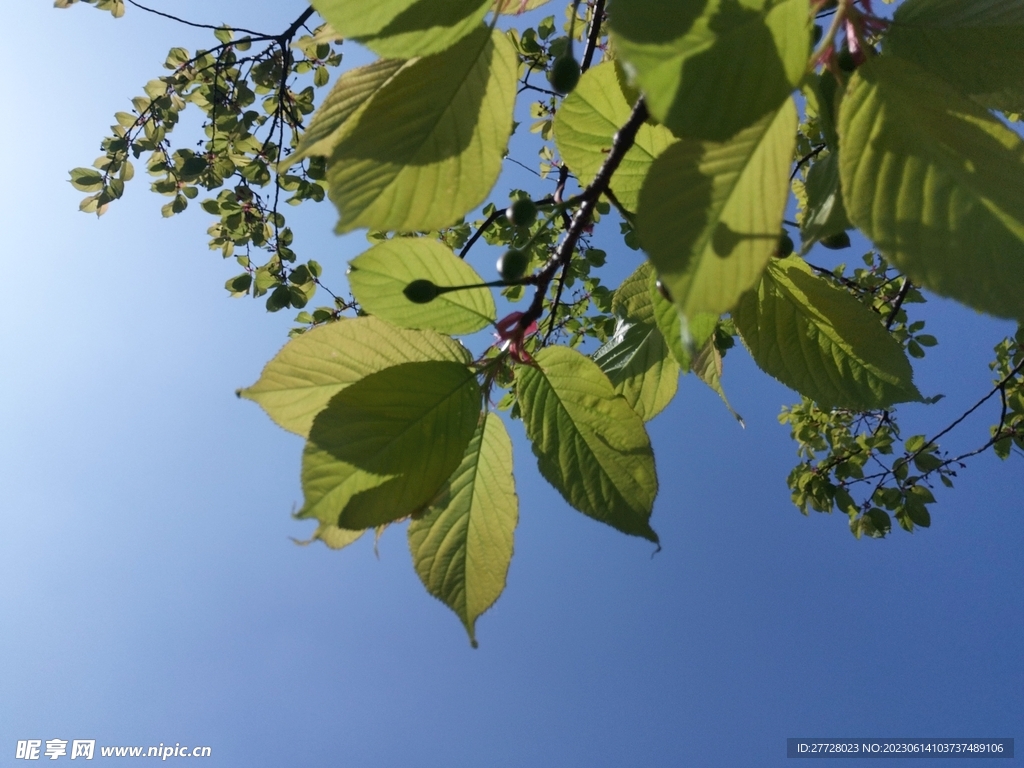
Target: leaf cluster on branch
[692,127]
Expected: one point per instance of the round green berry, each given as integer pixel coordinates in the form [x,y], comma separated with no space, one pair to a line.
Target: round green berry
[786,246]
[512,265]
[845,60]
[420,291]
[522,213]
[564,74]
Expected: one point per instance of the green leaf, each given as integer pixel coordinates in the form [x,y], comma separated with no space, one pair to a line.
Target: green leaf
[462,546]
[342,108]
[708,367]
[379,276]
[670,322]
[333,536]
[384,446]
[637,359]
[404,28]
[640,366]
[822,342]
[710,69]
[586,123]
[428,146]
[976,46]
[937,183]
[710,214]
[86,180]
[589,443]
[825,214]
[302,378]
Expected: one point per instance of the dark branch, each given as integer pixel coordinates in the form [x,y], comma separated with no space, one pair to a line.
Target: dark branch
[594,37]
[900,298]
[621,144]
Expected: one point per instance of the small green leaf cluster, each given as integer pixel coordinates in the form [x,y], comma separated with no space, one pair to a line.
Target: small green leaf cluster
[114,7]
[245,89]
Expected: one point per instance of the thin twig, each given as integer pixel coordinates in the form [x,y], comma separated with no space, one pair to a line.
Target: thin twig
[187,23]
[900,298]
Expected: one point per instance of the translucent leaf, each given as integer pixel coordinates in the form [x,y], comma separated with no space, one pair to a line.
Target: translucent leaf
[333,536]
[428,146]
[589,443]
[384,446]
[710,69]
[302,378]
[640,366]
[822,342]
[825,214]
[710,214]
[977,46]
[462,546]
[520,6]
[404,28]
[666,316]
[379,277]
[708,367]
[342,107]
[937,183]
[586,123]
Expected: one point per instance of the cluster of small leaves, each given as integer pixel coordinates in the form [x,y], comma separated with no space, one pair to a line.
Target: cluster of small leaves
[115,7]
[1008,434]
[245,88]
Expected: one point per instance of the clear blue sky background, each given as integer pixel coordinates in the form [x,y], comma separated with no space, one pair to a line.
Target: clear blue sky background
[149,591]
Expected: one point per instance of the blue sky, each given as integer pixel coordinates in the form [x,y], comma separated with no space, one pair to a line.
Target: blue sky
[150,593]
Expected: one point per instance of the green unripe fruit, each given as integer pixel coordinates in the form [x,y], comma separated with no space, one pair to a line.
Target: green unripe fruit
[420,291]
[845,60]
[564,74]
[522,213]
[836,242]
[785,246]
[512,265]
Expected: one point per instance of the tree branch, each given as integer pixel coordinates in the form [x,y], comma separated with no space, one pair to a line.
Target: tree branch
[621,144]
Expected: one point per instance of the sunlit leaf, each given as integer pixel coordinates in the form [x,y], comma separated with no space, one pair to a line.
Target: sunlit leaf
[462,546]
[937,183]
[384,446]
[589,443]
[710,69]
[342,107]
[302,378]
[379,276]
[586,123]
[821,341]
[428,146]
[710,214]
[404,28]
[977,46]
[825,213]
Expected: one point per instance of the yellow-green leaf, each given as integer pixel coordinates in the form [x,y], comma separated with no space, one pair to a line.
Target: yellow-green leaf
[710,69]
[404,28]
[379,276]
[937,183]
[462,545]
[710,214]
[975,45]
[302,378]
[428,146]
[342,107]
[821,341]
[588,442]
[384,446]
[586,123]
